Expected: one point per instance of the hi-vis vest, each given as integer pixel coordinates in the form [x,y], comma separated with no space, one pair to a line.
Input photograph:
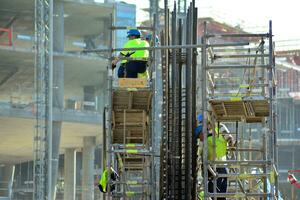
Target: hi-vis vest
[103,180]
[221,147]
[137,54]
[144,74]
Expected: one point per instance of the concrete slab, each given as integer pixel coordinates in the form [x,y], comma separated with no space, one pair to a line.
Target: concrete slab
[16,144]
[17,72]
[80,19]
[26,111]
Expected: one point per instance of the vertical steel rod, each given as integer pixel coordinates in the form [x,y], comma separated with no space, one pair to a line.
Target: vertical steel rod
[174,136]
[194,124]
[179,100]
[188,119]
[204,110]
[109,100]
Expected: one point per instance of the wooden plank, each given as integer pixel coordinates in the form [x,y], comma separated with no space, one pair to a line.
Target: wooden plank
[223,106]
[130,100]
[113,120]
[132,82]
[131,136]
[140,100]
[245,108]
[251,111]
[149,101]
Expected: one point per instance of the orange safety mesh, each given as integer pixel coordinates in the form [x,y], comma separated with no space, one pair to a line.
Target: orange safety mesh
[6,36]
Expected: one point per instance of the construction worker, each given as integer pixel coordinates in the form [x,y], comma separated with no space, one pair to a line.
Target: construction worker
[148,38]
[198,129]
[138,58]
[220,154]
[221,142]
[104,179]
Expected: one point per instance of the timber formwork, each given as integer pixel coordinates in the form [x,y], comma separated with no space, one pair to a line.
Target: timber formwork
[238,89]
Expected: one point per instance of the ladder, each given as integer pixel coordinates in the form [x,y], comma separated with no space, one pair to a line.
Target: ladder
[245,103]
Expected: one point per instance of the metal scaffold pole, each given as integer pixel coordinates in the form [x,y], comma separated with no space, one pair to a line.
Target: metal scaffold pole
[43,99]
[108,124]
[204,110]
[193,101]
[156,104]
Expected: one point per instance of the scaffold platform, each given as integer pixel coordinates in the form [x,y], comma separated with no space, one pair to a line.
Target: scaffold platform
[246,109]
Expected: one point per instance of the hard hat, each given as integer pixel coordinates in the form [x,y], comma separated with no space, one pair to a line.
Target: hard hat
[133,32]
[200,118]
[223,128]
[149,37]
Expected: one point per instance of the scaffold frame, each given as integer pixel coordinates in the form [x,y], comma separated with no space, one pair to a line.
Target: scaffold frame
[42,141]
[241,107]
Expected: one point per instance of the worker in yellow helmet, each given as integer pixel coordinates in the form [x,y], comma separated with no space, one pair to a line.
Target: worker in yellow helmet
[104,180]
[221,140]
[137,62]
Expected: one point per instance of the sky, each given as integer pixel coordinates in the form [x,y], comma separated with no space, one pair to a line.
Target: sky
[252,15]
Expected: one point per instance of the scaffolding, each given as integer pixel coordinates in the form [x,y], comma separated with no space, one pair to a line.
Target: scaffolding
[43,100]
[244,103]
[129,139]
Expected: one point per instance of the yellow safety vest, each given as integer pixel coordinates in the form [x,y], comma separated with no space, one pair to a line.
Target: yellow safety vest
[221,147]
[144,74]
[201,195]
[103,180]
[138,54]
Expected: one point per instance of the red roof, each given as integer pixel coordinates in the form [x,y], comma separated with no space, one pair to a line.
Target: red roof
[214,27]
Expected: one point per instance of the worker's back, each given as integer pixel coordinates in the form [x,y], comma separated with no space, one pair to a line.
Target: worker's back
[138,54]
[221,147]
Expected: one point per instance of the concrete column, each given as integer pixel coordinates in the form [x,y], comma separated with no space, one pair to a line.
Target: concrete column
[88,168]
[56,132]
[78,168]
[70,174]
[58,86]
[7,177]
[58,61]
[101,98]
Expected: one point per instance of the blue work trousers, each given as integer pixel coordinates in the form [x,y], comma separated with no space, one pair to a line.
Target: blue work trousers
[132,68]
[221,182]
